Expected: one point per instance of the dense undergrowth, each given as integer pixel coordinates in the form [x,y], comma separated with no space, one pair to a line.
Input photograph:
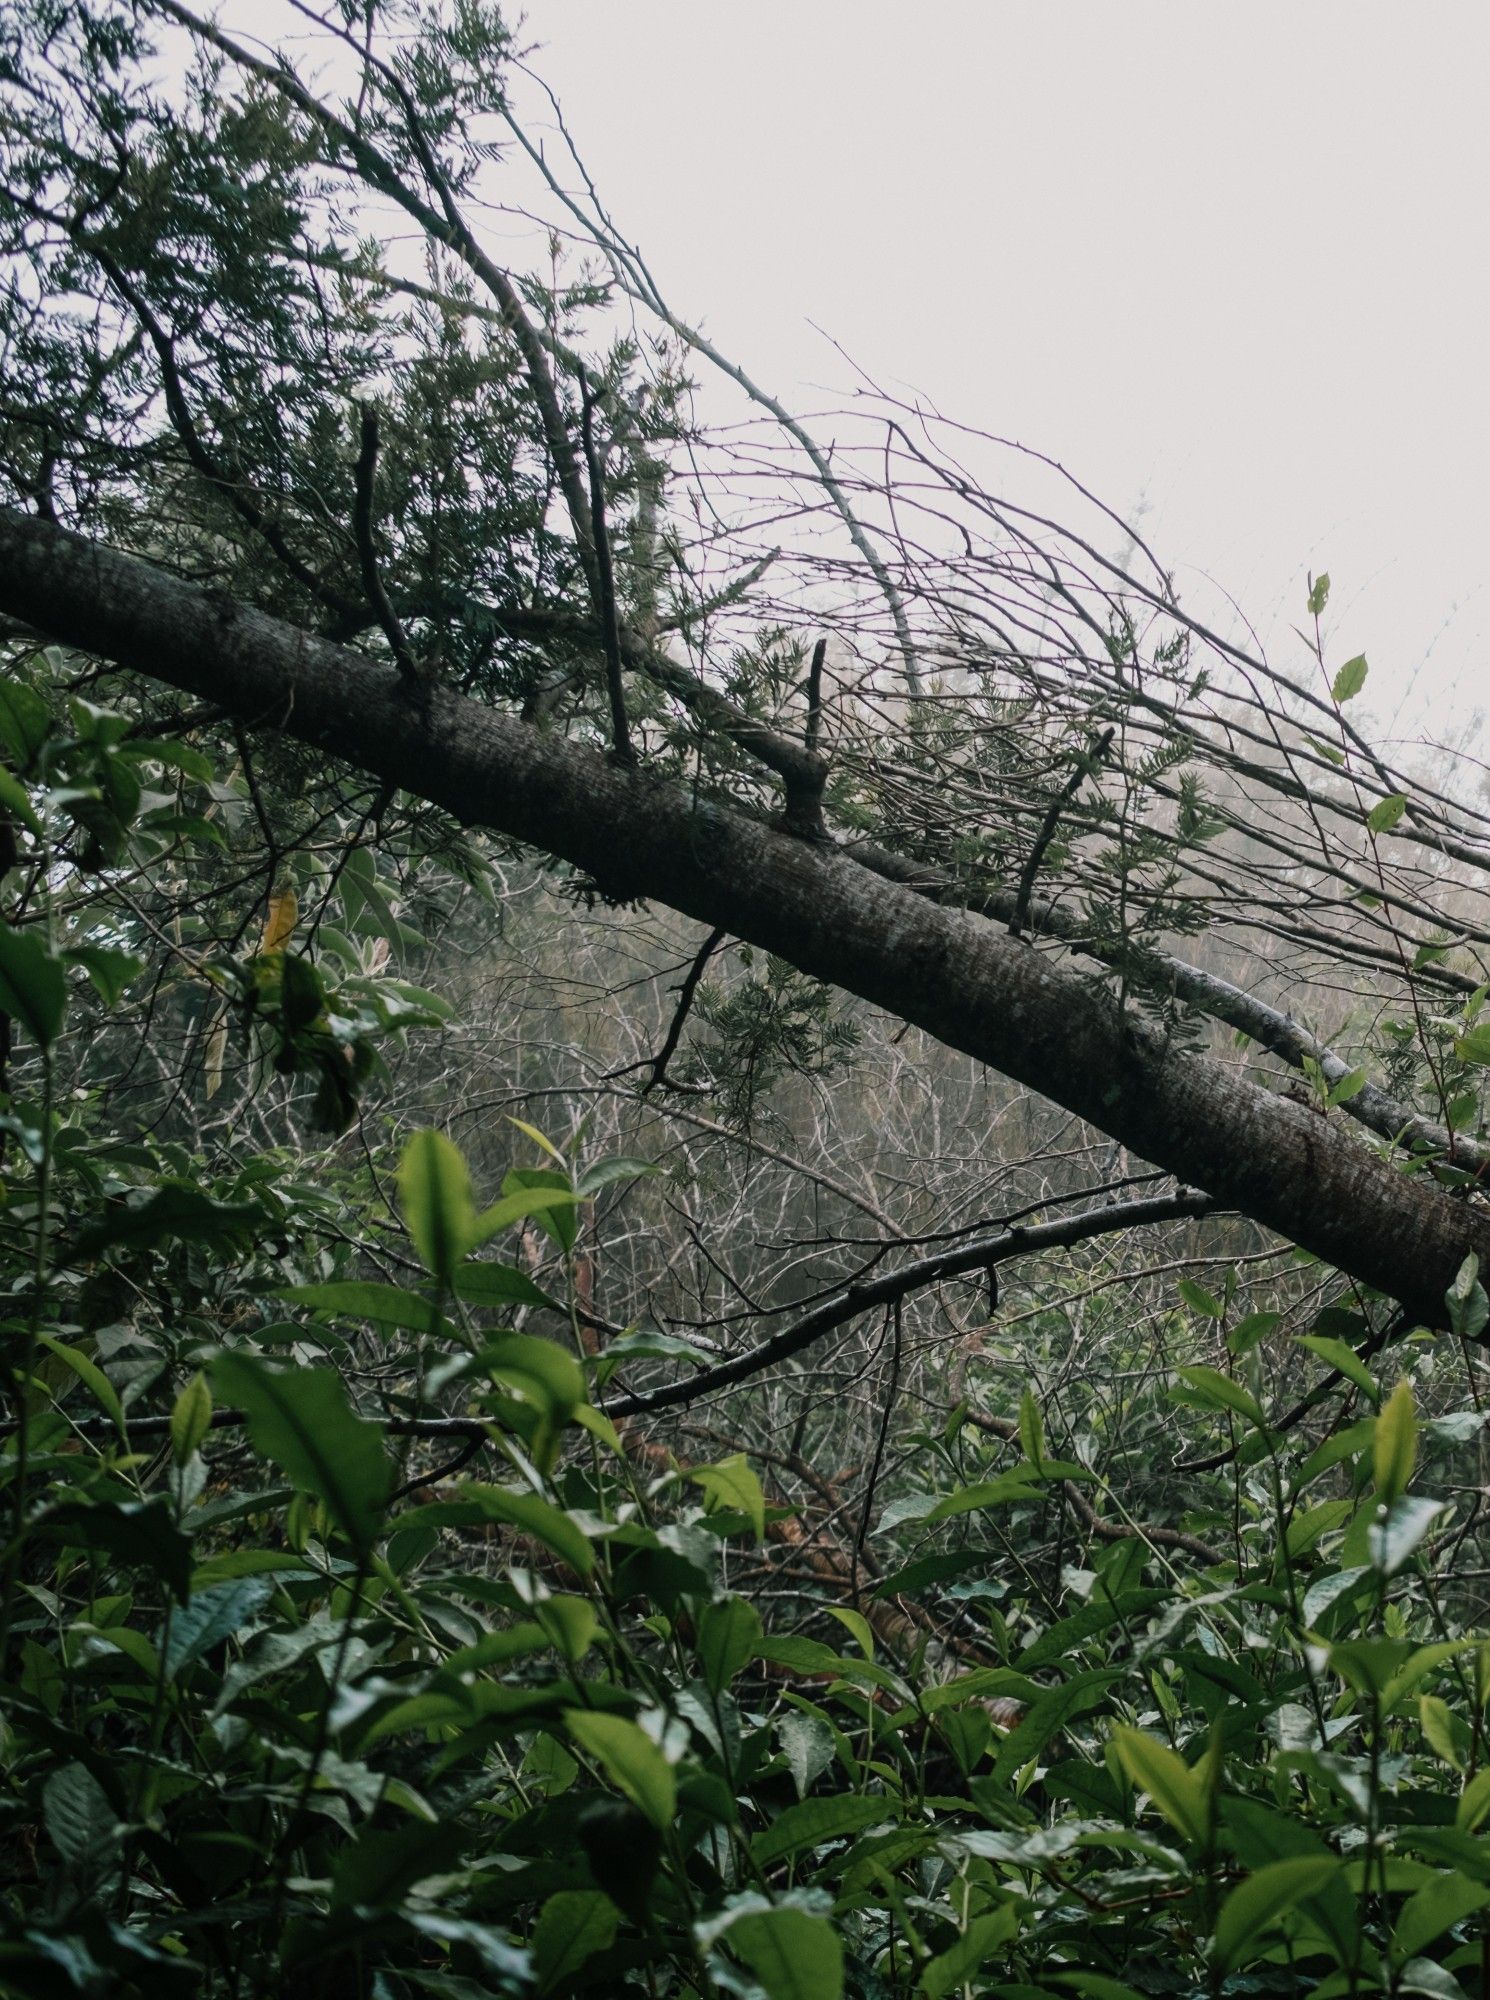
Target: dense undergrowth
[351,1648]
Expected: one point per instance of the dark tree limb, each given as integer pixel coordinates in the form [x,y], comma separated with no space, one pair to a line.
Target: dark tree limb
[947,971]
[610,626]
[1086,763]
[364,525]
[888,1290]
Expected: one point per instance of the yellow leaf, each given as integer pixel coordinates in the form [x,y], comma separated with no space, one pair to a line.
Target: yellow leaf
[279,925]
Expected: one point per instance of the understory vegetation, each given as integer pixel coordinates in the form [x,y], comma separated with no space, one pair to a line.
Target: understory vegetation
[576,1418]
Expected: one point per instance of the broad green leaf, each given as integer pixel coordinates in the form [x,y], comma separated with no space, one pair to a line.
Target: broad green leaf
[498,1285]
[1319,594]
[1007,1489]
[856,1623]
[191,1418]
[794,1953]
[1395,1449]
[572,1927]
[551,1205]
[377,1869]
[605,1173]
[1438,1721]
[174,1212]
[1220,1391]
[811,1822]
[952,1970]
[33,985]
[1198,1299]
[729,1631]
[16,801]
[212,1616]
[1270,1893]
[1429,1912]
[475,1502]
[434,1187]
[301,1419]
[1248,1332]
[110,971]
[1031,1430]
[1469,1309]
[354,1298]
[1350,679]
[1343,1358]
[1474,1802]
[1385,814]
[1179,1792]
[808,1747]
[90,1374]
[139,1533]
[732,1483]
[83,1826]
[630,1759]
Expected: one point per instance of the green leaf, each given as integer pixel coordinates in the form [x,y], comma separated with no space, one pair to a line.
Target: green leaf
[212,1616]
[1007,1489]
[1395,1448]
[605,1173]
[1198,1299]
[475,1502]
[630,1759]
[301,1419]
[1178,1792]
[1385,814]
[731,1483]
[1344,1358]
[813,1821]
[173,1211]
[808,1747]
[139,1533]
[82,1825]
[353,1298]
[950,1971]
[1439,1721]
[377,1869]
[572,1928]
[1344,1088]
[856,1623]
[1350,679]
[1221,1392]
[1392,1538]
[1031,1430]
[794,1953]
[110,971]
[728,1633]
[1429,1912]
[1319,594]
[24,721]
[496,1285]
[434,1188]
[1469,1309]
[1257,1904]
[1251,1331]
[89,1373]
[16,801]
[33,985]
[1474,1802]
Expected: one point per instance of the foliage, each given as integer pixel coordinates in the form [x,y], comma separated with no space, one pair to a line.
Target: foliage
[363,1629]
[287,1712]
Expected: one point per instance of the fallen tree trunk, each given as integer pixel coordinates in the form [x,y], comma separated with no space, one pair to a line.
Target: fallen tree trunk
[957,976]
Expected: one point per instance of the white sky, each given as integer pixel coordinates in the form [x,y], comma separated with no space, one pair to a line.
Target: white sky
[1226,261]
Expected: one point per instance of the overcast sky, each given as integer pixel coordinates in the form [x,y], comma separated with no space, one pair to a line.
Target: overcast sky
[1228,262]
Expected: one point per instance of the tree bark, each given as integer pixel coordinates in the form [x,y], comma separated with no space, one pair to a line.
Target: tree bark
[957,976]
